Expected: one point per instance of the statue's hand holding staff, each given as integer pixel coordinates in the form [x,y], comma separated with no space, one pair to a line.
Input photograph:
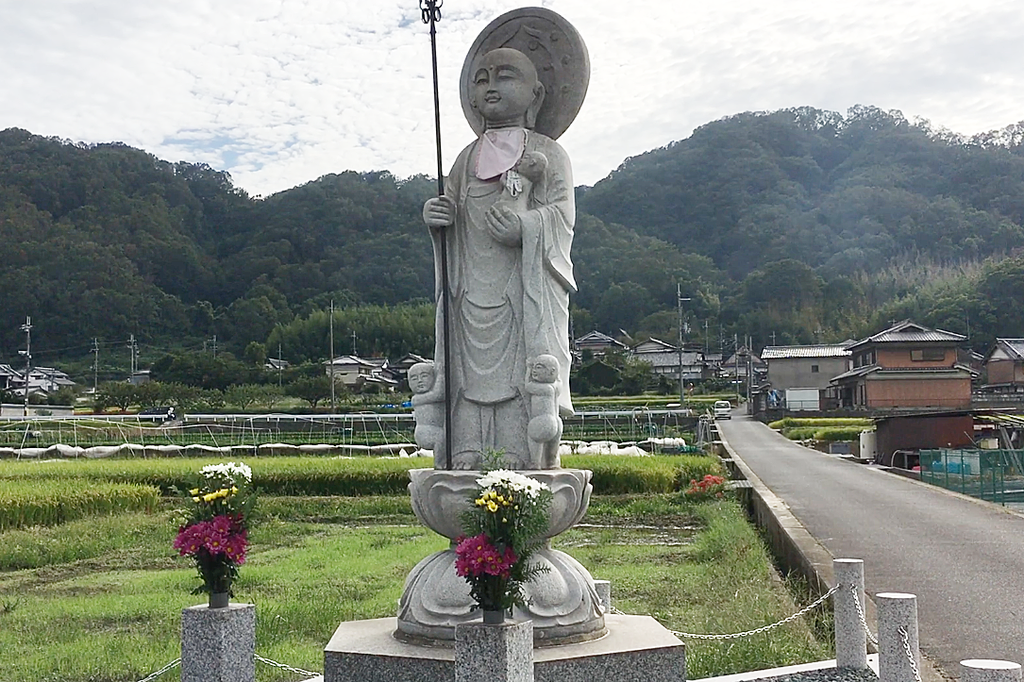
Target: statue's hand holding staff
[439,212]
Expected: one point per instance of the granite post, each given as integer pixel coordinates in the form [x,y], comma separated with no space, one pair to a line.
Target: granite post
[218,645]
[897,631]
[604,592]
[497,653]
[851,639]
[985,670]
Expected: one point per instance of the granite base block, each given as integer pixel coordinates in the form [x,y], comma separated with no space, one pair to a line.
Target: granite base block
[218,645]
[636,649]
[498,653]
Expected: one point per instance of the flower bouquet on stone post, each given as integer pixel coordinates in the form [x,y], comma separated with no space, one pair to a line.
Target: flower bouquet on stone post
[503,527]
[214,530]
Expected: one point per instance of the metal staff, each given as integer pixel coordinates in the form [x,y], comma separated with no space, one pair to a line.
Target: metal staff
[431,13]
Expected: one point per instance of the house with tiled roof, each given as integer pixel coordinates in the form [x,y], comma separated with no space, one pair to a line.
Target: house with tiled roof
[352,370]
[597,343]
[907,365]
[806,366]
[797,375]
[666,359]
[1004,365]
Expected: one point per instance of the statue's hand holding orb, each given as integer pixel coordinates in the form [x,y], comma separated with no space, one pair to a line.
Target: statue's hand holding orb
[504,225]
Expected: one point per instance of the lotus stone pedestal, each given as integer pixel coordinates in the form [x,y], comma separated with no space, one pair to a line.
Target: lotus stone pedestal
[563,602]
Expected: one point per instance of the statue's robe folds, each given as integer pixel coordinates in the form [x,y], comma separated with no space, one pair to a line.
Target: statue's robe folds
[509,303]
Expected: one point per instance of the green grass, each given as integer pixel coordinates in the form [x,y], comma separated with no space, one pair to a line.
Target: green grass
[715,580]
[99,599]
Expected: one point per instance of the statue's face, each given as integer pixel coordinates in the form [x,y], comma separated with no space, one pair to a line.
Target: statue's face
[504,86]
[543,372]
[421,379]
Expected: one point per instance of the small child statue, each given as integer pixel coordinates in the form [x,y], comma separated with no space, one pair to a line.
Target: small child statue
[521,178]
[545,427]
[428,410]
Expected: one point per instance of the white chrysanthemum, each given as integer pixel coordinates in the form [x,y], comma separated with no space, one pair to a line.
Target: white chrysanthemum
[511,480]
[229,472]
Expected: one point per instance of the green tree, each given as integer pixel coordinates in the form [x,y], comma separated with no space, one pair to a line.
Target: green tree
[119,394]
[255,354]
[243,395]
[311,389]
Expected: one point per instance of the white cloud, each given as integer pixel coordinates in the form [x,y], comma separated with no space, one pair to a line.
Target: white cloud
[279,92]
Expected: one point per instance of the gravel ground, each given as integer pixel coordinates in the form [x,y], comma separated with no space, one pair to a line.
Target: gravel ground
[828,675]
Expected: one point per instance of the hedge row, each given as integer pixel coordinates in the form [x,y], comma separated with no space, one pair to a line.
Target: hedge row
[48,502]
[820,422]
[827,433]
[354,477]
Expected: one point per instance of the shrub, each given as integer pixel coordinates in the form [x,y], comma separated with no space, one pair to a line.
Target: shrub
[835,433]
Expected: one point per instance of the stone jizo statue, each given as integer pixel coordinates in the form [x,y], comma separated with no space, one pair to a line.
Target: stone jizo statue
[507,221]
[508,214]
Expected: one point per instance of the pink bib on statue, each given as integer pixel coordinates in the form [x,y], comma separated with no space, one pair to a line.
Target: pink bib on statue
[498,151]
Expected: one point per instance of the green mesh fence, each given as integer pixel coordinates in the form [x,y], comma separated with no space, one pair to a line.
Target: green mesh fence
[993,475]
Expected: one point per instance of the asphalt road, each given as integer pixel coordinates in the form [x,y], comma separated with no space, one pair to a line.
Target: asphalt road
[963,559]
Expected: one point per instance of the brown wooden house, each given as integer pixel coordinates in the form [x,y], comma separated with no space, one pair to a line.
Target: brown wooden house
[905,366]
[1004,364]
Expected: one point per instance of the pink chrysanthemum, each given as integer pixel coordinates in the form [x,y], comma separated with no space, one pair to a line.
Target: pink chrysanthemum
[476,556]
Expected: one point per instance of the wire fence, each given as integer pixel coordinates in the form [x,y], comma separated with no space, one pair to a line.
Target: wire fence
[640,425]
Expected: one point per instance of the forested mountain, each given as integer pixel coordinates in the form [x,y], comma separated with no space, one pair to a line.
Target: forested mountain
[800,223]
[829,225]
[841,194]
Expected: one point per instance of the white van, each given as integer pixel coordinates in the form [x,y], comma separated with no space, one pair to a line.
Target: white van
[723,409]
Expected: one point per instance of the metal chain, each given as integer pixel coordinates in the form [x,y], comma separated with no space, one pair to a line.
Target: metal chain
[910,654]
[765,628]
[282,666]
[170,666]
[860,614]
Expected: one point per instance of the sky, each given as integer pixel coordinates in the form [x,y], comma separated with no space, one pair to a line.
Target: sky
[281,92]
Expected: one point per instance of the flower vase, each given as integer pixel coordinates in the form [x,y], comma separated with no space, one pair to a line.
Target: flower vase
[219,600]
[494,617]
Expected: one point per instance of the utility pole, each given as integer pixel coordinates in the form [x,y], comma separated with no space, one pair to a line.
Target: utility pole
[332,356]
[736,365]
[214,345]
[133,350]
[354,353]
[750,370]
[682,381]
[95,363]
[279,366]
[27,328]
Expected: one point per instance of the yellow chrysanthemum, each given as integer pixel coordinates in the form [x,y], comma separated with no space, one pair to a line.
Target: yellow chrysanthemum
[492,507]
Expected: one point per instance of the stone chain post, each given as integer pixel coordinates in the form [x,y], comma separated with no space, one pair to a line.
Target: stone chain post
[897,635]
[851,639]
[983,670]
